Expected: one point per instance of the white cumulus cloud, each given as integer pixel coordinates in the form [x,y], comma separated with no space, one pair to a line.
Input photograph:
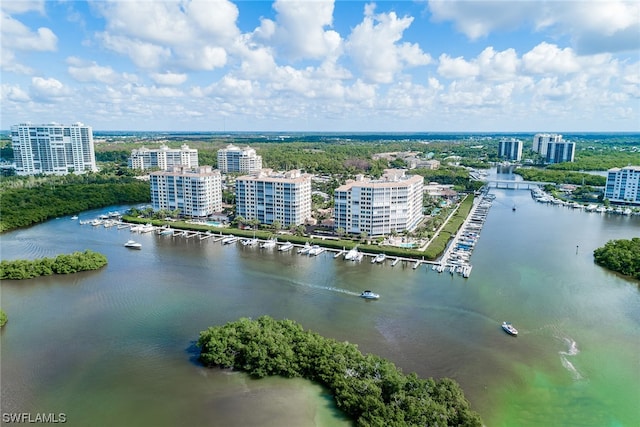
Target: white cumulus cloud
[374,46]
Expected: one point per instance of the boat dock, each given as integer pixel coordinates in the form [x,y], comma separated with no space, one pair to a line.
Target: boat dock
[353,255]
[456,258]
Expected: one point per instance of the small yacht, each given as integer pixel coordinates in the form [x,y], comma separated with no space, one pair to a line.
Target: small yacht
[287,246]
[369,295]
[132,244]
[316,250]
[249,242]
[508,328]
[74,217]
[229,240]
[351,255]
[305,249]
[378,259]
[269,244]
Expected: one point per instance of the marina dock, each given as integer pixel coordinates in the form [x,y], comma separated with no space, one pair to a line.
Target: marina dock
[455,258]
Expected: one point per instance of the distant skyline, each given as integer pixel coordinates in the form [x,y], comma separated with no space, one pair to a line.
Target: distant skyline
[323,66]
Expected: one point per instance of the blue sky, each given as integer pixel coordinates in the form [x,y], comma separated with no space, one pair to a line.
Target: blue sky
[322,65]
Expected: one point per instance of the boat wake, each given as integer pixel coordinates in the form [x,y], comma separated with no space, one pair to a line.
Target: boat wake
[572,350]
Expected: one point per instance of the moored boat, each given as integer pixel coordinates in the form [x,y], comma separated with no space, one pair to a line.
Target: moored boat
[287,246]
[508,328]
[379,258]
[230,239]
[316,250]
[305,249]
[269,244]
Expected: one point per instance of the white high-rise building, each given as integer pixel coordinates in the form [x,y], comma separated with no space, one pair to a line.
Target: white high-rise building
[553,148]
[53,149]
[196,192]
[379,207]
[270,196]
[558,152]
[510,149]
[623,185]
[236,159]
[541,142]
[163,158]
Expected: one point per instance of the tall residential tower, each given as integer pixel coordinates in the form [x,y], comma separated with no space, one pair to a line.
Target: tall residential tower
[270,196]
[163,158]
[53,149]
[236,159]
[510,149]
[196,192]
[623,185]
[390,204]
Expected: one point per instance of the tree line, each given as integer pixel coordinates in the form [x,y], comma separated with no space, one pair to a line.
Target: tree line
[370,389]
[61,264]
[561,176]
[621,256]
[25,206]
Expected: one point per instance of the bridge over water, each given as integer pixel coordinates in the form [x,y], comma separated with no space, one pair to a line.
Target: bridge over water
[512,184]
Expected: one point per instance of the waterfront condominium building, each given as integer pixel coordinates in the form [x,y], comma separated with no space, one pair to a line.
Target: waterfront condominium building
[236,159]
[378,207]
[541,142]
[510,149]
[163,158]
[195,191]
[558,152]
[270,196]
[623,185]
[553,148]
[52,149]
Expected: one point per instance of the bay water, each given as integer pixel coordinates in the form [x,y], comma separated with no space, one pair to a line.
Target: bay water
[116,346]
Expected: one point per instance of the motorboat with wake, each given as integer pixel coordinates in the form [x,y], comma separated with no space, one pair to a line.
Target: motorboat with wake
[132,244]
[369,295]
[508,328]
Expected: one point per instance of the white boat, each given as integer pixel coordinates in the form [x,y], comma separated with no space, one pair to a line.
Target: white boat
[132,244]
[305,249]
[369,295]
[508,328]
[147,228]
[269,244]
[287,246]
[166,231]
[229,240]
[249,242]
[316,250]
[96,222]
[74,217]
[351,255]
[378,259]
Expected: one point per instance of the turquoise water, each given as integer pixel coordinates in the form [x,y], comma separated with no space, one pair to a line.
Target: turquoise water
[115,346]
[407,245]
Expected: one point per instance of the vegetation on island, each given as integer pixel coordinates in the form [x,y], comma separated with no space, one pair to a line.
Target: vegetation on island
[61,264]
[621,256]
[34,199]
[370,389]
[3,318]
[561,176]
